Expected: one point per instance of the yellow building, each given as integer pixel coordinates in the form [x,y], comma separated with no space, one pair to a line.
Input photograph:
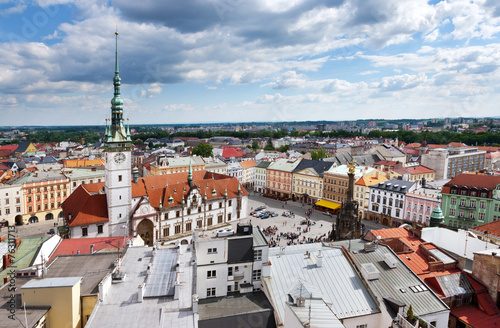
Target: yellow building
[167,165]
[362,191]
[61,294]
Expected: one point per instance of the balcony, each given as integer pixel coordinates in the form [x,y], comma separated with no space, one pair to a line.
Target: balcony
[238,275]
[468,208]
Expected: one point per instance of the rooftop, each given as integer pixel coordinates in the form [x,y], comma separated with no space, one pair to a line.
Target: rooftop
[336,279]
[52,282]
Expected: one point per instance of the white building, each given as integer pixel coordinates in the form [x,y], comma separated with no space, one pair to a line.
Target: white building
[216,165]
[11,203]
[235,170]
[387,201]
[79,176]
[229,261]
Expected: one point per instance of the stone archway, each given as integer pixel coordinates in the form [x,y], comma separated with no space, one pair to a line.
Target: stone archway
[33,219]
[49,216]
[19,220]
[145,230]
[184,242]
[61,215]
[385,222]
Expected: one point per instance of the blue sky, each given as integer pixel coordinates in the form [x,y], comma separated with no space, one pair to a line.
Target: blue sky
[202,61]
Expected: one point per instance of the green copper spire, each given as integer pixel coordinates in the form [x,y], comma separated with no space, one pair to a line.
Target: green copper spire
[117,132]
[436,217]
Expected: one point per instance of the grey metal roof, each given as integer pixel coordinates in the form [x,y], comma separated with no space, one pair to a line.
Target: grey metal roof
[319,316]
[160,281]
[455,284]
[394,185]
[391,282]
[52,282]
[284,165]
[441,256]
[4,249]
[337,280]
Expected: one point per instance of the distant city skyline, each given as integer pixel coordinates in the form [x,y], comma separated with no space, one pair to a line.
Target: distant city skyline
[199,61]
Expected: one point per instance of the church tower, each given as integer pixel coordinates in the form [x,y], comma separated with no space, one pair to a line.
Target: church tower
[117,147]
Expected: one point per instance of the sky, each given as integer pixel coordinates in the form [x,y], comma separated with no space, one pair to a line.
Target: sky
[208,61]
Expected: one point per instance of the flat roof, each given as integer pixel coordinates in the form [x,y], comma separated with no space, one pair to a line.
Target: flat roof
[93,268]
[160,281]
[336,279]
[52,282]
[316,313]
[232,305]
[258,237]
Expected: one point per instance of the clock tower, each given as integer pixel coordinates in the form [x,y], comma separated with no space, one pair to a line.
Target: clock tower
[117,147]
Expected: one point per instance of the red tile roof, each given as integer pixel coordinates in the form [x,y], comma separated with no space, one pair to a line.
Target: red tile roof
[420,169]
[473,316]
[411,151]
[493,228]
[87,205]
[72,246]
[229,152]
[473,180]
[9,147]
[388,163]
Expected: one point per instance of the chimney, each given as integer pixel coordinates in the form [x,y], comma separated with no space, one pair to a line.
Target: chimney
[135,175]
[319,259]
[140,293]
[92,249]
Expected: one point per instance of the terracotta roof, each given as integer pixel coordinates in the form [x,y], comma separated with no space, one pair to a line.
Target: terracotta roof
[370,181]
[420,169]
[416,260]
[411,151]
[493,228]
[88,206]
[488,149]
[456,144]
[474,180]
[85,207]
[228,152]
[6,152]
[436,146]
[248,164]
[474,317]
[72,246]
[413,145]
[8,147]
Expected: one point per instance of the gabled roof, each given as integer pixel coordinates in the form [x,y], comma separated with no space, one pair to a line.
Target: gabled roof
[248,164]
[371,180]
[492,229]
[85,207]
[419,169]
[228,152]
[318,166]
[82,245]
[263,164]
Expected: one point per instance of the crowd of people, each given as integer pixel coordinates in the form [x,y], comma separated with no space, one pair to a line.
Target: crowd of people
[274,237]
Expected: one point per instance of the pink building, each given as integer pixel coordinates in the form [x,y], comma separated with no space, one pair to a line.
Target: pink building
[420,203]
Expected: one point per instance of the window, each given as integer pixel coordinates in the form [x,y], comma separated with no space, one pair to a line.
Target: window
[230,271]
[219,218]
[220,204]
[210,207]
[7,211]
[471,215]
[362,326]
[188,226]
[453,201]
[209,221]
[177,214]
[119,178]
[235,285]
[99,228]
[18,209]
[166,231]
[84,232]
[29,199]
[452,212]
[165,216]
[462,202]
[229,217]
[210,292]
[461,213]
[257,255]
[472,203]
[212,251]
[211,274]
[230,203]
[256,274]
[481,216]
[177,229]
[482,204]
[18,200]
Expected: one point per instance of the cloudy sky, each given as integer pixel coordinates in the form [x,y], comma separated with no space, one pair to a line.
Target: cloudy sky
[205,61]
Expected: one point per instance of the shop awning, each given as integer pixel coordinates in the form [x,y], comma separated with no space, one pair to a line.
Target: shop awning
[328,204]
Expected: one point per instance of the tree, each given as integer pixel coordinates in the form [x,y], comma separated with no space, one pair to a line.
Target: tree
[203,150]
[318,154]
[255,145]
[284,148]
[269,145]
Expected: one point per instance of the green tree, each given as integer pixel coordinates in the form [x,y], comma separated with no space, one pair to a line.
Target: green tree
[284,148]
[318,154]
[269,145]
[255,145]
[203,150]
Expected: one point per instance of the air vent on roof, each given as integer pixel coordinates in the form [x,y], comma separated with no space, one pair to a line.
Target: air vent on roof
[395,186]
[389,184]
[390,260]
[369,271]
[403,187]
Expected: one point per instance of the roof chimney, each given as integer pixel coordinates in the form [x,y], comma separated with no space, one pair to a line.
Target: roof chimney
[319,259]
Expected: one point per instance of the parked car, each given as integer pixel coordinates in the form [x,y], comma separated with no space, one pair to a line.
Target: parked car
[274,214]
[260,208]
[265,216]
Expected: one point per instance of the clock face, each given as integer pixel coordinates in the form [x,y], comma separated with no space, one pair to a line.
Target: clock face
[119,158]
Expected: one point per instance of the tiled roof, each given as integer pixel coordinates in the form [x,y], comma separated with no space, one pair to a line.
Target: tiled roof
[370,181]
[388,163]
[87,205]
[420,169]
[84,207]
[411,151]
[82,245]
[228,152]
[493,228]
[8,147]
[474,180]
[413,145]
[456,144]
[474,317]
[248,164]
